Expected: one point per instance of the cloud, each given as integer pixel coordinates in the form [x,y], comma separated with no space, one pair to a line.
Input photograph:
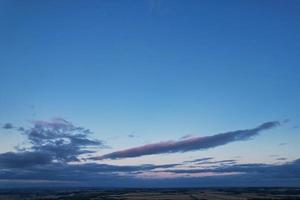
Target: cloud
[60,138]
[21,129]
[199,160]
[11,126]
[53,155]
[208,161]
[72,174]
[258,170]
[56,147]
[131,136]
[186,136]
[24,159]
[216,162]
[282,144]
[281,159]
[190,144]
[94,174]
[8,126]
[52,141]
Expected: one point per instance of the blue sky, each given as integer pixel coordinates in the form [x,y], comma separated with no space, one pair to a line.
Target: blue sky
[143,72]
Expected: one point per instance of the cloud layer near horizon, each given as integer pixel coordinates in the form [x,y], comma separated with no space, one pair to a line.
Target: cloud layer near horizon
[190,144]
[56,148]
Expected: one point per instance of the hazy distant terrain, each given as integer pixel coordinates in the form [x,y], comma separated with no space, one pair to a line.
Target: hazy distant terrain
[154,194]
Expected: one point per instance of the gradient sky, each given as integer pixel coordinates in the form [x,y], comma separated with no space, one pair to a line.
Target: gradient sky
[143,72]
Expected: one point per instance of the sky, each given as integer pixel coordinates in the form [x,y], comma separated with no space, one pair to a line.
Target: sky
[149,93]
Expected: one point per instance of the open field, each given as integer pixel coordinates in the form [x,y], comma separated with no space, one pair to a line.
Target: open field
[154,194]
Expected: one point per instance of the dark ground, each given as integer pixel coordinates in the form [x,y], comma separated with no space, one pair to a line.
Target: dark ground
[153,194]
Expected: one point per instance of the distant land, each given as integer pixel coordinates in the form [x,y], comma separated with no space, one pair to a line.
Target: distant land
[154,194]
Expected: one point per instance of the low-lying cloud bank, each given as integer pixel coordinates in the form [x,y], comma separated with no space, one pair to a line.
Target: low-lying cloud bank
[190,144]
[104,175]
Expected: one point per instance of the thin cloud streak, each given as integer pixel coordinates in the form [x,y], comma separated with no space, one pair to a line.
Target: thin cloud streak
[190,144]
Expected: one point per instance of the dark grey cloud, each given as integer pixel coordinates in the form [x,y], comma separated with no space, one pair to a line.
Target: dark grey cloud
[258,170]
[85,174]
[190,144]
[51,141]
[24,159]
[63,140]
[93,174]
[257,174]
[8,126]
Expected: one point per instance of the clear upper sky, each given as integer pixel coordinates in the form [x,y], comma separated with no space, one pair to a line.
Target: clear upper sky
[140,72]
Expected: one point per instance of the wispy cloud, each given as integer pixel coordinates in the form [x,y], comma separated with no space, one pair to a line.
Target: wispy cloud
[186,136]
[190,144]
[281,159]
[216,162]
[199,160]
